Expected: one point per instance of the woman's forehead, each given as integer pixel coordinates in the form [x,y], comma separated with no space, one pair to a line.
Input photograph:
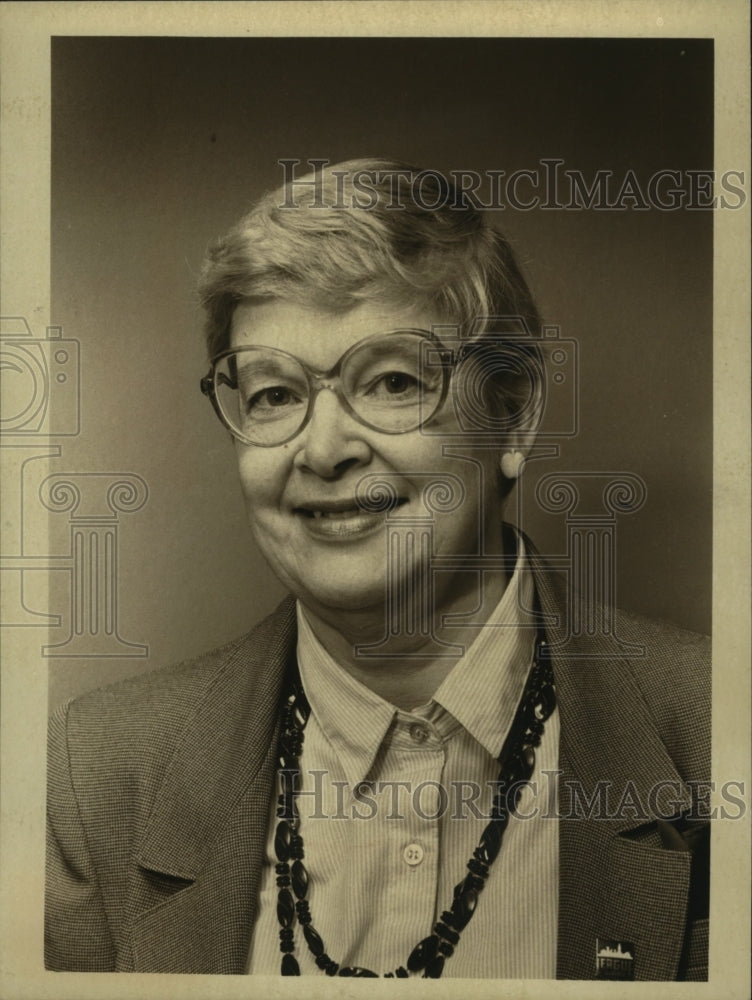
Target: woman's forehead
[317,336]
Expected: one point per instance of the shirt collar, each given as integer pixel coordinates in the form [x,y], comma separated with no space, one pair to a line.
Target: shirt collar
[353,718]
[481,692]
[485,686]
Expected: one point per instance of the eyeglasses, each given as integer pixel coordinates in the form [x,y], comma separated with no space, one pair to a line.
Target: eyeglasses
[392,382]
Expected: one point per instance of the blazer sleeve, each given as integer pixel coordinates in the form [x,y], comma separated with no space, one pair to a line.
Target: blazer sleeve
[76,933]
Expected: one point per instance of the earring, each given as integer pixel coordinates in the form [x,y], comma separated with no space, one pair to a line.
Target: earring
[512,464]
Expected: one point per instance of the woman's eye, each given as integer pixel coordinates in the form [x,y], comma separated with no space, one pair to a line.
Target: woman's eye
[396,383]
[273,397]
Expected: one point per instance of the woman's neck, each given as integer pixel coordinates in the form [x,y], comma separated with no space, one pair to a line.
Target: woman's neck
[407,668]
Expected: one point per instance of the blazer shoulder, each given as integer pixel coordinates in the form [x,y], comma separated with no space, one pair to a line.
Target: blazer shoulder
[148,713]
[666,653]
[667,667]
[172,735]
[673,673]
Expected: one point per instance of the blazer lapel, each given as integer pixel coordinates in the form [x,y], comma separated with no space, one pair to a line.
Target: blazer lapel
[616,881]
[194,894]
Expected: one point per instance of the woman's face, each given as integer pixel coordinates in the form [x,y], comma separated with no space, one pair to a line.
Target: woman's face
[301,495]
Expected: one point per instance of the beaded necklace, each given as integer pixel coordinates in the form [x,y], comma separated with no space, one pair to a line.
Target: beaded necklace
[517,762]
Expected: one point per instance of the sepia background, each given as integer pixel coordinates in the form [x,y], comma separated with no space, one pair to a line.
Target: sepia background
[158,146]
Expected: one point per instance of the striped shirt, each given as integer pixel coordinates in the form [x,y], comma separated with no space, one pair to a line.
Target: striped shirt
[393,804]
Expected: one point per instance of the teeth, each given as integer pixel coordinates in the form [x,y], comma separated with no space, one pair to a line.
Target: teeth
[337,515]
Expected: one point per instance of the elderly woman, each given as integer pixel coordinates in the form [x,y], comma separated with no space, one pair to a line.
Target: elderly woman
[410,768]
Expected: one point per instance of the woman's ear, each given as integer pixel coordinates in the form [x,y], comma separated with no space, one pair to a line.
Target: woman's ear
[512,464]
[519,442]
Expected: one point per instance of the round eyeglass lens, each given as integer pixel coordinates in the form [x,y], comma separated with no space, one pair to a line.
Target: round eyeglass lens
[391,382]
[263,394]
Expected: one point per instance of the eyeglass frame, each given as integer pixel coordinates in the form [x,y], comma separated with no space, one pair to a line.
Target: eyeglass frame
[318,380]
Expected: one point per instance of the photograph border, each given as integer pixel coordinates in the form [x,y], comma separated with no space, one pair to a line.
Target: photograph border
[26,30]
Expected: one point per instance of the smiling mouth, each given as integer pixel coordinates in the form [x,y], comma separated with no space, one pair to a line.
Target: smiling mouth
[337,515]
[342,517]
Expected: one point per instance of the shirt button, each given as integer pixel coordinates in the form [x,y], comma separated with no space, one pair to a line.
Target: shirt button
[413,854]
[418,733]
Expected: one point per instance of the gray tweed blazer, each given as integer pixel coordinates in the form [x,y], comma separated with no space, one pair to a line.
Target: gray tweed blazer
[159,793]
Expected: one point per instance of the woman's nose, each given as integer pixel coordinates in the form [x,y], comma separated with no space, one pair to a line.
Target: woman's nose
[332,441]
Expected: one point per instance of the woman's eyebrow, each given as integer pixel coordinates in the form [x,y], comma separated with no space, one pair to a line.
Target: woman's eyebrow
[262,365]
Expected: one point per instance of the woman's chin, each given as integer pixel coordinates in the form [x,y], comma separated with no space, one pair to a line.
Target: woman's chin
[344,599]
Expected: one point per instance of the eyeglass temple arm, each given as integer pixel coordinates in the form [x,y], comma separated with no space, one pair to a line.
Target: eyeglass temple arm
[208,384]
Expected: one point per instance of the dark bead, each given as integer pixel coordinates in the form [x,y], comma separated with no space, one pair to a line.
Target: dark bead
[402,973]
[296,845]
[313,940]
[545,702]
[323,960]
[282,840]
[422,954]
[282,868]
[283,881]
[513,797]
[288,808]
[290,966]
[478,868]
[526,758]
[434,968]
[331,969]
[286,934]
[517,769]
[285,908]
[358,972]
[288,811]
[449,935]
[299,879]
[463,907]
[500,813]
[446,949]
[490,843]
